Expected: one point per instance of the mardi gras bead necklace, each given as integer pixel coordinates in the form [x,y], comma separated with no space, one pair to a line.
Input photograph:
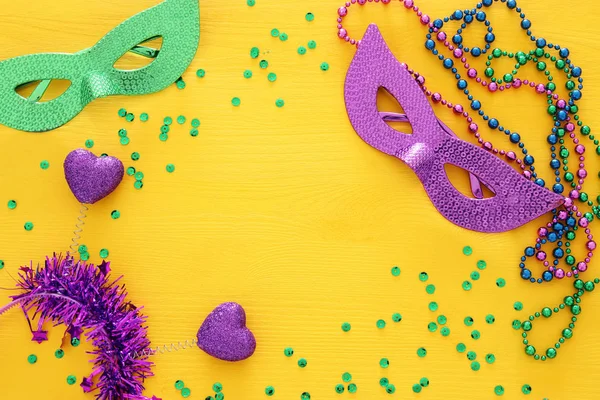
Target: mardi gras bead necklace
[565,224]
[564,221]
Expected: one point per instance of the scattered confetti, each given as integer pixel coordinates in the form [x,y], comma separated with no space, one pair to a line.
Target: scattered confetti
[283,36]
[236,101]
[302,362]
[28,226]
[144,117]
[254,52]
[170,168]
[60,353]
[247,74]
[301,50]
[274,32]
[346,326]
[396,270]
[200,73]
[423,276]
[32,359]
[380,324]
[179,385]
[12,204]
[352,388]
[396,317]
[309,16]
[71,379]
[104,253]
[89,143]
[44,164]
[288,351]
[269,390]
[272,77]
[263,64]
[467,250]
[312,44]
[324,66]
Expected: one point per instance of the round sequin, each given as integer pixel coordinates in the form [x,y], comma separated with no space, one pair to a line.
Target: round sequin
[217,387]
[301,50]
[139,175]
[263,64]
[396,270]
[194,132]
[168,121]
[481,264]
[60,353]
[417,388]
[130,171]
[279,103]
[129,117]
[180,84]
[181,119]
[179,385]
[423,276]
[309,16]
[475,366]
[269,390]
[236,101]
[384,363]
[445,331]
[71,379]
[475,275]
[346,326]
[424,382]
[526,389]
[195,122]
[490,319]
[312,44]
[518,306]
[250,3]
[170,168]
[272,77]
[466,285]
[471,355]
[124,141]
[499,390]
[288,351]
[302,362]
[28,226]
[441,319]
[75,342]
[490,358]
[467,250]
[390,389]
[396,317]
[1,264]
[339,388]
[475,334]
[283,36]
[186,392]
[247,74]
[433,306]
[500,282]
[44,164]
[324,66]
[380,324]
[122,112]
[432,327]
[274,32]
[352,388]
[421,352]
[384,382]
[135,156]
[103,253]
[144,117]
[200,73]
[138,184]
[32,359]
[468,321]
[89,143]
[461,347]
[12,204]
[254,52]
[430,289]
[305,396]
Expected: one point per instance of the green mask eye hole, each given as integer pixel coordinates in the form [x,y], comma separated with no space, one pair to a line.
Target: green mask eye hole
[140,55]
[42,91]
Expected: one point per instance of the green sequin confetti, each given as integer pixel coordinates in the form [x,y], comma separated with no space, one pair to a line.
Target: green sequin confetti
[71,379]
[28,226]
[144,117]
[481,264]
[352,388]
[139,175]
[247,74]
[461,347]
[516,324]
[423,276]
[274,32]
[269,390]
[490,319]
[32,359]
[499,390]
[200,73]
[475,275]
[170,168]
[432,327]
[254,52]
[288,351]
[122,112]
[445,331]
[475,366]
[180,84]
[417,388]
[471,355]
[339,388]
[346,377]
[135,156]
[302,50]
[138,184]
[384,363]
[283,36]
[302,362]
[490,358]
[309,16]
[466,285]
[186,392]
[468,321]
[324,66]
[312,44]
[518,306]
[181,119]
[179,385]
[217,387]
[279,103]
[103,253]
[44,164]
[124,141]
[75,342]
[390,388]
[476,334]
[467,250]
[251,3]
[60,353]
[305,396]
[12,204]
[433,306]
[380,324]
[194,132]
[396,270]
[272,77]
[130,171]
[396,317]
[384,382]
[441,319]
[263,64]
[421,352]
[526,389]
[219,396]
[82,249]
[129,117]
[89,143]
[1,264]
[500,282]
[84,256]
[424,382]
[236,101]
[430,289]
[168,121]
[346,326]
[195,122]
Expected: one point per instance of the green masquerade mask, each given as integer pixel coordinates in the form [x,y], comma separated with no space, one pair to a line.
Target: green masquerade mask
[91,72]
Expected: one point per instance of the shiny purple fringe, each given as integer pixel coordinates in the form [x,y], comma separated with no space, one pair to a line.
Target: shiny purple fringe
[80,296]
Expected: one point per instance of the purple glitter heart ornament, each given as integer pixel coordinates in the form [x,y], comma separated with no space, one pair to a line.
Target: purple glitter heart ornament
[92,178]
[224,334]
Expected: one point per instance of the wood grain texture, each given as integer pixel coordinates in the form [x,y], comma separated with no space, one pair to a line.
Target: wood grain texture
[288,212]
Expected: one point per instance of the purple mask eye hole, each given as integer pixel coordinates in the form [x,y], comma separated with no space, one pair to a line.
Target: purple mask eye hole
[42,91]
[392,113]
[468,183]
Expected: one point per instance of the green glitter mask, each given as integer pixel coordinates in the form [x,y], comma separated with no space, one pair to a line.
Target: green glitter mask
[91,72]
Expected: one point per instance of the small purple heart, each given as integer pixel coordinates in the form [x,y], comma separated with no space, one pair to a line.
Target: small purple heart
[224,334]
[92,178]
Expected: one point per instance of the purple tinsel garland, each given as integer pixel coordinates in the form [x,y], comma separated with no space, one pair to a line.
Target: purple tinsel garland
[80,296]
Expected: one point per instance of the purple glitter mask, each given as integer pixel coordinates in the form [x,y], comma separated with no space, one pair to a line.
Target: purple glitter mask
[516,200]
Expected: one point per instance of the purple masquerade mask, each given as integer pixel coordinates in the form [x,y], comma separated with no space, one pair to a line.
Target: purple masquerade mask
[516,200]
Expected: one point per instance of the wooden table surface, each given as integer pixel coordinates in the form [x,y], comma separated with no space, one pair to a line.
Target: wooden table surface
[288,212]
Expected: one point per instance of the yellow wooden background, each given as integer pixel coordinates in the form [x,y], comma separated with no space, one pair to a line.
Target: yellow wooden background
[288,212]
